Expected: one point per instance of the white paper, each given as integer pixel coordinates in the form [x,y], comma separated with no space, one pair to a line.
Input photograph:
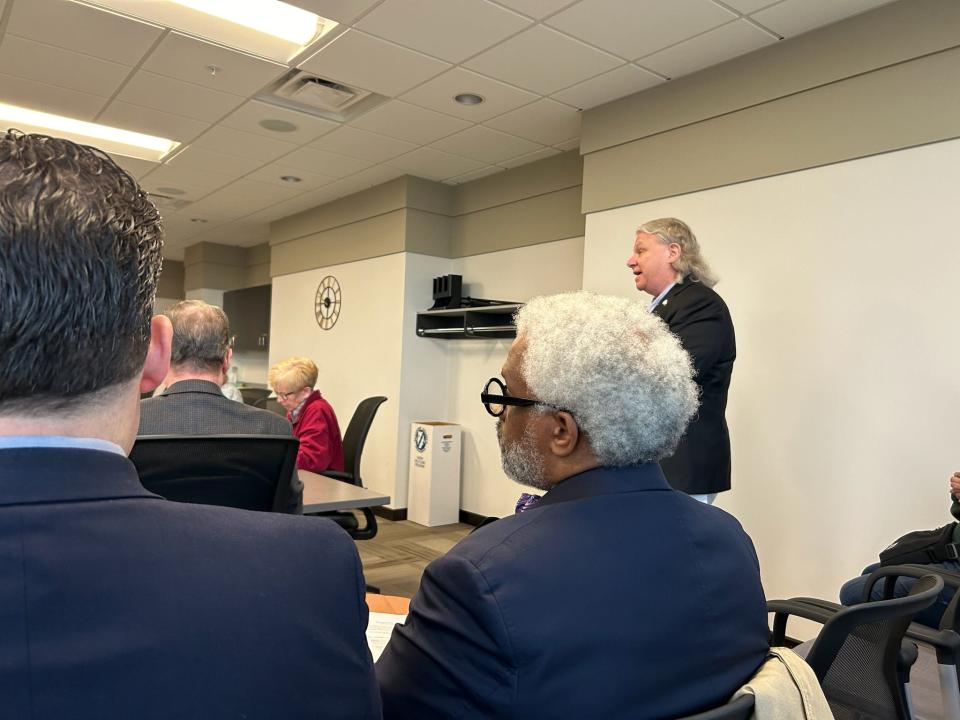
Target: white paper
[379,628]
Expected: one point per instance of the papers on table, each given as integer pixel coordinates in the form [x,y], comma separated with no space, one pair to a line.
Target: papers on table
[379,629]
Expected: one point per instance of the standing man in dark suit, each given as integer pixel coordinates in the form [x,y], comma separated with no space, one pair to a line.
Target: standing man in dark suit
[117,603]
[192,403]
[612,596]
[667,264]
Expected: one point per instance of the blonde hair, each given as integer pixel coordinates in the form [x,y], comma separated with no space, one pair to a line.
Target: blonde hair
[690,263]
[299,370]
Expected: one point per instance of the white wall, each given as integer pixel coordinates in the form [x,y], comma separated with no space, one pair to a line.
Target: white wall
[252,366]
[843,408]
[519,275]
[359,356]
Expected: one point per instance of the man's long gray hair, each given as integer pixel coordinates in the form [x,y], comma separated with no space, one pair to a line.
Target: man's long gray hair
[691,263]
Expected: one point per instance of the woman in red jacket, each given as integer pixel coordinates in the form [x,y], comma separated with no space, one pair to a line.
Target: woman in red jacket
[314,422]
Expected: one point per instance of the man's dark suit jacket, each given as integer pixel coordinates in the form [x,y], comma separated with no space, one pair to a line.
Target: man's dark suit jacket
[115,603]
[613,597]
[699,317]
[197,407]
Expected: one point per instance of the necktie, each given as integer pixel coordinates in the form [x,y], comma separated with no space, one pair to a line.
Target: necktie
[526,501]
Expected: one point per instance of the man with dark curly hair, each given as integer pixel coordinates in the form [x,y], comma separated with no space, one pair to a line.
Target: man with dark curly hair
[116,602]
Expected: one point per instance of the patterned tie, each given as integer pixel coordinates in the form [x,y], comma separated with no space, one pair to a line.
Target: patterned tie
[526,501]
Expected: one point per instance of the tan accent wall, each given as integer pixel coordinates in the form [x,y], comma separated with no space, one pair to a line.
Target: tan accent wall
[225,267]
[170,282]
[528,205]
[880,81]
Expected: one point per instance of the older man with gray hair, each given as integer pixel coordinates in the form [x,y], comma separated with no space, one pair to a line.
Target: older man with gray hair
[608,596]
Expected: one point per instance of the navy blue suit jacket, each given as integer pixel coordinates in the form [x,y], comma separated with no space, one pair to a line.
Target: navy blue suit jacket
[700,318]
[115,603]
[613,597]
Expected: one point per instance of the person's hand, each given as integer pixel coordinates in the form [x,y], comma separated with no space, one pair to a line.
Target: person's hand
[955,484]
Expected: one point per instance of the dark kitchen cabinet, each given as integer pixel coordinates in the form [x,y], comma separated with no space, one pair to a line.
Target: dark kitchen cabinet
[249,313]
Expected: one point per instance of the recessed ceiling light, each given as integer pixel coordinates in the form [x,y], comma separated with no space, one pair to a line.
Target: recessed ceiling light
[109,139]
[198,220]
[171,191]
[290,179]
[468,99]
[269,28]
[277,125]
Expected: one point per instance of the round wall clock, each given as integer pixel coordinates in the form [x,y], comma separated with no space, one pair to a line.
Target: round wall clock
[326,307]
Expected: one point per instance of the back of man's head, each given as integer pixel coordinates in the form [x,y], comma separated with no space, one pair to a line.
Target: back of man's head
[615,367]
[79,258]
[201,336]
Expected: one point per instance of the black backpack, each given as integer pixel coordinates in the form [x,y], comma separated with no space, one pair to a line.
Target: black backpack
[922,547]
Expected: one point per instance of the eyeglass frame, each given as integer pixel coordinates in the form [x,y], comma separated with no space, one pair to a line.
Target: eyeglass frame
[288,395]
[489,399]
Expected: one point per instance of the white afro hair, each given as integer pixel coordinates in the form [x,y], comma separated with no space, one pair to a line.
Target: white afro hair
[616,367]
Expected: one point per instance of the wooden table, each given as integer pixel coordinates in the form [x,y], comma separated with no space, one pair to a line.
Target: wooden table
[322,494]
[388,604]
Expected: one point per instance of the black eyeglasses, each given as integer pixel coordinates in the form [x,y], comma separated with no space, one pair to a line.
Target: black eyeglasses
[495,399]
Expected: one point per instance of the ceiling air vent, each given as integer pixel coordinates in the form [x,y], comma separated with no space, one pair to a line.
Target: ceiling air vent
[301,91]
[165,202]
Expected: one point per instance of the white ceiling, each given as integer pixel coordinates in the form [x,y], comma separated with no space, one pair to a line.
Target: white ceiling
[537,63]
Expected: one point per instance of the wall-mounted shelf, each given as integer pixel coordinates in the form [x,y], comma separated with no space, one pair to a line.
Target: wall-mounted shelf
[488,321]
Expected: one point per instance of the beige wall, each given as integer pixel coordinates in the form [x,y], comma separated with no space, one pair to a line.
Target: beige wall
[880,81]
[225,267]
[170,282]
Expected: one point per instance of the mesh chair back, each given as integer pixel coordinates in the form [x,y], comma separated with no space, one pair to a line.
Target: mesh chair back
[739,709]
[356,435]
[251,472]
[855,655]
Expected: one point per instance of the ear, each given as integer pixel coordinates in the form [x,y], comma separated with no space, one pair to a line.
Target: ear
[564,434]
[674,252]
[157,363]
[227,359]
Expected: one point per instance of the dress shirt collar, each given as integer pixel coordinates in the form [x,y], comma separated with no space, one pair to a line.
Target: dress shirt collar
[606,481]
[59,441]
[662,295]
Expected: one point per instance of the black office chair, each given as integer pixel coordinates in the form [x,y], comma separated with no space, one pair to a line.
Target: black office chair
[250,395]
[945,640]
[251,472]
[857,656]
[271,404]
[739,709]
[353,442]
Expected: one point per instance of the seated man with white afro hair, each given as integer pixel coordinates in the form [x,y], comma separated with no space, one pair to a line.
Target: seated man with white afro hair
[613,595]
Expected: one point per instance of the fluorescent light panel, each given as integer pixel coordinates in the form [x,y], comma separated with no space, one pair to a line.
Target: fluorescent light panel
[268,28]
[108,139]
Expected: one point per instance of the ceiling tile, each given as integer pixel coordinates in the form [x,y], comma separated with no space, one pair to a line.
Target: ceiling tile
[286,208]
[434,164]
[409,122]
[201,159]
[639,27]
[135,166]
[748,6]
[449,29]
[546,122]
[356,58]
[242,198]
[182,98]
[538,9]
[486,145]
[152,122]
[364,179]
[273,173]
[358,143]
[530,157]
[194,183]
[243,233]
[624,80]
[568,144]
[49,98]
[249,116]
[438,94]
[83,29]
[189,59]
[793,17]
[542,60]
[475,175]
[236,142]
[56,66]
[711,48]
[343,11]
[324,163]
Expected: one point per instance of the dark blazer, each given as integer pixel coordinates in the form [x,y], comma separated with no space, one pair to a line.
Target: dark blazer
[197,407]
[700,318]
[613,597]
[119,604]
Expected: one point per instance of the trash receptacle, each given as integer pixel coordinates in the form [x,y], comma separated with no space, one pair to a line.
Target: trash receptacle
[434,486]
